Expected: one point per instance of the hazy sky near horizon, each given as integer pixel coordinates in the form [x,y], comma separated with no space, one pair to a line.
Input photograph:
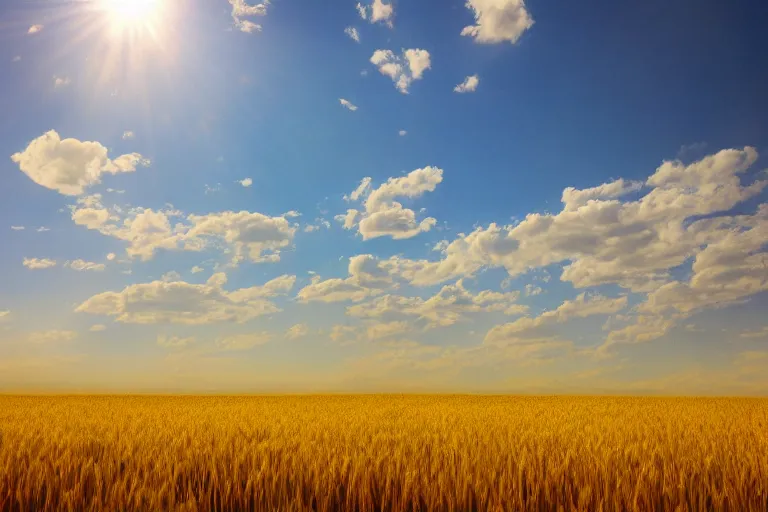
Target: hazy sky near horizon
[407,196]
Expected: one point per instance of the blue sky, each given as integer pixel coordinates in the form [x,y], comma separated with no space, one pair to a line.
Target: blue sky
[494,196]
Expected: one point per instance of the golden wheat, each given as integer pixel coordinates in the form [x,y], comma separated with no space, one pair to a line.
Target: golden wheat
[392,453]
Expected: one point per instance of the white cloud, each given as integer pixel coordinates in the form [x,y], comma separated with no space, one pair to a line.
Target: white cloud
[17,58]
[81,265]
[111,256]
[59,81]
[402,133]
[497,21]
[532,289]
[366,278]
[69,166]
[183,303]
[42,229]
[34,29]
[448,306]
[51,336]
[243,341]
[171,277]
[174,341]
[383,216]
[630,243]
[536,329]
[352,33]
[128,135]
[468,85]
[241,9]
[297,331]
[377,12]
[38,263]
[17,228]
[347,104]
[98,328]
[4,314]
[247,182]
[197,270]
[402,69]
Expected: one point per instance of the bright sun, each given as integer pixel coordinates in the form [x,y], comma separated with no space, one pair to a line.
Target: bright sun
[132,13]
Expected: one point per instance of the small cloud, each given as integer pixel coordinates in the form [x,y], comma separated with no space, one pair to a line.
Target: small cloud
[212,189]
[468,85]
[82,265]
[111,256]
[364,72]
[18,228]
[247,182]
[38,263]
[51,336]
[4,314]
[42,229]
[309,228]
[297,331]
[196,269]
[352,33]
[402,133]
[59,81]
[361,11]
[347,104]
[115,191]
[171,276]
[98,328]
[403,69]
[16,58]
[34,29]
[174,341]
[128,135]
[691,150]
[292,213]
[532,290]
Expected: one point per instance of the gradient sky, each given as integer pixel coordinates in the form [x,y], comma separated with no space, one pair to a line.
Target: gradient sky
[415,196]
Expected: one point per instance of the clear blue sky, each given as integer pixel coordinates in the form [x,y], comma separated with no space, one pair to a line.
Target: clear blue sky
[408,196]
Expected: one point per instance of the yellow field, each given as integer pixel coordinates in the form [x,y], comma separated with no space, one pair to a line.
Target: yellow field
[382,453]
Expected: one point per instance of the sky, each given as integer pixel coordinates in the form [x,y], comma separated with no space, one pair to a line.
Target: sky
[490,196]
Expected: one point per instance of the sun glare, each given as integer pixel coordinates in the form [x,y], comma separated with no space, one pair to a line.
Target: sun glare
[133,13]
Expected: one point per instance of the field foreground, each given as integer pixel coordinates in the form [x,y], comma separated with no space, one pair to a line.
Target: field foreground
[388,453]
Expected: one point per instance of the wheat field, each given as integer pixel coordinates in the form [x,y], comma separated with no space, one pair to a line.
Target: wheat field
[389,453]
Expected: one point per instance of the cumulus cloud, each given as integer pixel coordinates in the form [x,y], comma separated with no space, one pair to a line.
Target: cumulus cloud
[38,263]
[448,306]
[196,269]
[497,21]
[347,104]
[403,69]
[4,314]
[377,12]
[536,329]
[352,33]
[297,331]
[468,85]
[402,133]
[383,215]
[241,9]
[34,29]
[81,265]
[247,182]
[128,135]
[69,166]
[605,240]
[111,256]
[366,278]
[184,303]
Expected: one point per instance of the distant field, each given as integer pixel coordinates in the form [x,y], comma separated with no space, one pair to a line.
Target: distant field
[388,453]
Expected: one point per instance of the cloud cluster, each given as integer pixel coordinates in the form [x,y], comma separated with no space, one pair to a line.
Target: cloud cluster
[184,303]
[497,21]
[241,9]
[38,263]
[353,34]
[383,215]
[403,69]
[366,278]
[377,12]
[69,166]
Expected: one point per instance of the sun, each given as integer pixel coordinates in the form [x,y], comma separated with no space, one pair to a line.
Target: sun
[132,13]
